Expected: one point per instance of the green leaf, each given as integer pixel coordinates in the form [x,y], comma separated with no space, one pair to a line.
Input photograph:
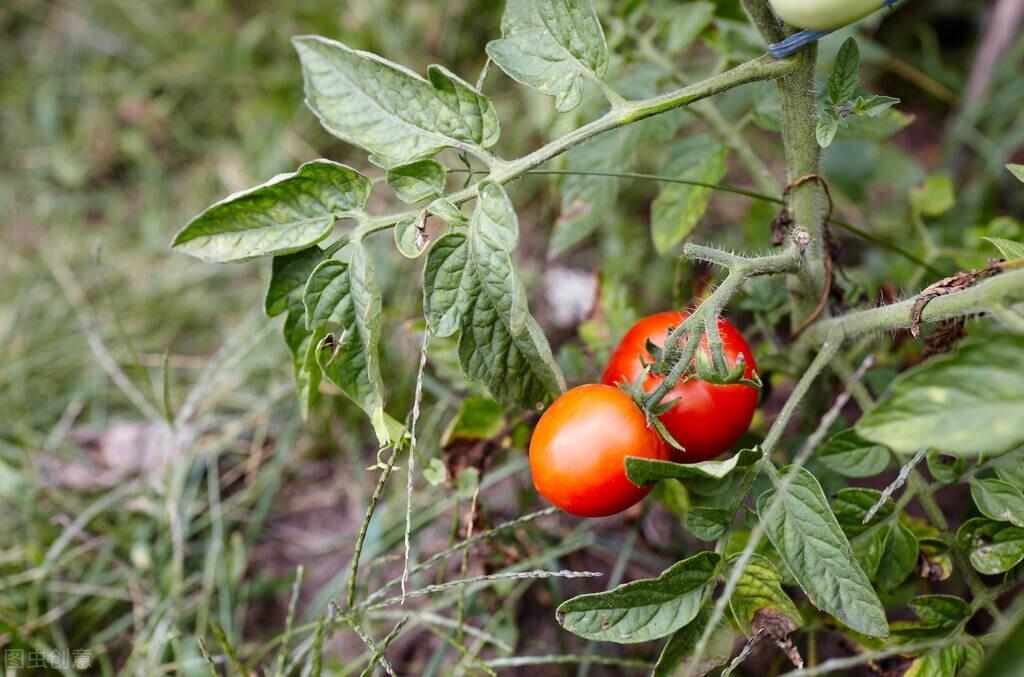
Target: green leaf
[760,587]
[938,616]
[873,106]
[551,46]
[1008,248]
[346,294]
[288,276]
[869,549]
[812,545]
[963,658]
[992,547]
[706,478]
[678,208]
[845,78]
[445,209]
[934,197]
[1010,468]
[478,418]
[1006,654]
[588,200]
[850,455]
[899,559]
[470,283]
[302,343]
[418,180]
[388,110]
[977,382]
[410,237]
[707,524]
[828,126]
[682,644]
[999,500]
[642,610]
[1017,170]
[851,506]
[946,468]
[289,213]
[685,22]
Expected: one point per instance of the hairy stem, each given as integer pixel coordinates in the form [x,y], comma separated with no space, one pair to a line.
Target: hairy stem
[1007,287]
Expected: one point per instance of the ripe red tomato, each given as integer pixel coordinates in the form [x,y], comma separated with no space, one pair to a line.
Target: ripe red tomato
[579,447]
[708,418]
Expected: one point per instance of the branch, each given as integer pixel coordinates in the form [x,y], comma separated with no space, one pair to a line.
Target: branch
[755,70]
[1005,288]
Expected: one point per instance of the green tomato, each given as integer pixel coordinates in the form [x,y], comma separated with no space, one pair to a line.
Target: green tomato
[823,15]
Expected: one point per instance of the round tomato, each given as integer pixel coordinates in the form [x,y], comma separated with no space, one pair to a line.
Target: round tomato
[708,418]
[579,447]
[824,15]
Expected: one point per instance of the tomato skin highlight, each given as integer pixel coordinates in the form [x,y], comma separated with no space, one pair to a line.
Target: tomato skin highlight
[708,419]
[823,15]
[579,447]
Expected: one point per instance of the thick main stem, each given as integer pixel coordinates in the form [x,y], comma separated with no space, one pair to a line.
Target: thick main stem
[799,118]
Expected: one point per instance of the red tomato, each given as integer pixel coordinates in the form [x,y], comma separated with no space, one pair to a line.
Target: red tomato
[579,447]
[708,418]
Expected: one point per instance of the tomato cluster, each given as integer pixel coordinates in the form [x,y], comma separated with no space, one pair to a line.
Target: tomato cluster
[579,447]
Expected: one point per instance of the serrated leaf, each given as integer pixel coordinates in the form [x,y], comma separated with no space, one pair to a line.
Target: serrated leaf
[302,344]
[681,645]
[851,506]
[289,213]
[992,547]
[1008,248]
[678,208]
[850,455]
[346,294]
[470,283]
[642,610]
[288,275]
[812,545]
[417,180]
[551,46]
[975,382]
[899,558]
[1017,170]
[706,478]
[388,110]
[999,500]
[845,78]
[760,587]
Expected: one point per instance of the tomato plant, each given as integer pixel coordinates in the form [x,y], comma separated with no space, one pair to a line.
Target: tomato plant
[707,418]
[579,448]
[800,551]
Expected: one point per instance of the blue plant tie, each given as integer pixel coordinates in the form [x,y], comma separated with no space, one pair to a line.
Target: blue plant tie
[790,45]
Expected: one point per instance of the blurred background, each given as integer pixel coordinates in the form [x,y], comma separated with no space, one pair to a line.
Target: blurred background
[156,483]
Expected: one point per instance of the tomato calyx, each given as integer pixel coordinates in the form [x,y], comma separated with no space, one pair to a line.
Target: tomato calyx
[706,367]
[636,391]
